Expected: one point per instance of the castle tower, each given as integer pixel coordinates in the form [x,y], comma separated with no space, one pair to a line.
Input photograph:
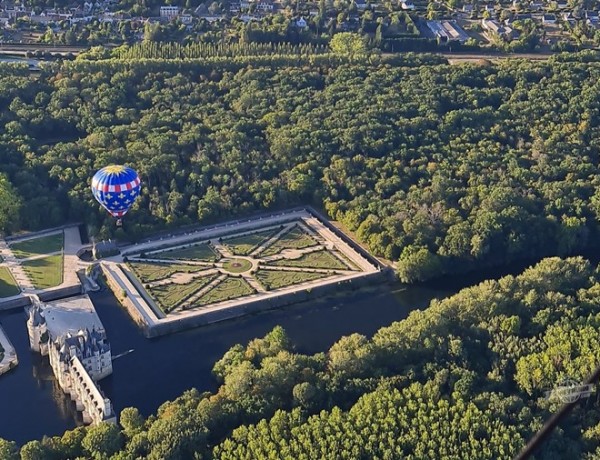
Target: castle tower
[37,329]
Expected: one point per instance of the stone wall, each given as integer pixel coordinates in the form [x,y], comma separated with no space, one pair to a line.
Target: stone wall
[13,304]
[259,305]
[49,295]
[118,291]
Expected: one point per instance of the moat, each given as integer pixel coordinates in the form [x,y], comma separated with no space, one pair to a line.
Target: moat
[161,369]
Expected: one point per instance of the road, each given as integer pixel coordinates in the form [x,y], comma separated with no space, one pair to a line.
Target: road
[24,48]
[455,58]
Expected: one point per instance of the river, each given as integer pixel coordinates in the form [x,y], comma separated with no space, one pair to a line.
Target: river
[32,405]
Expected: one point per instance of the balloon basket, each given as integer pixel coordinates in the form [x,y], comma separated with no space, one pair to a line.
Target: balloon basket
[119,222]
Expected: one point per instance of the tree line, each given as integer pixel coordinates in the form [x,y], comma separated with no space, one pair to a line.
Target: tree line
[174,50]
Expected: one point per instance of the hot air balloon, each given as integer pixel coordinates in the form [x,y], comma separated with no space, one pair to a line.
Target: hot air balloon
[116,187]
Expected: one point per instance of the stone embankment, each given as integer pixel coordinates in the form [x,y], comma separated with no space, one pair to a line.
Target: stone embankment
[9,355]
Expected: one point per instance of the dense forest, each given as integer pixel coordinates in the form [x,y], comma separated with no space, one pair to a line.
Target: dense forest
[464,379]
[439,167]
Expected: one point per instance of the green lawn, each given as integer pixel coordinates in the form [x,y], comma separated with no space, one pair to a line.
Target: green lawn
[170,296]
[8,285]
[148,272]
[230,288]
[237,265]
[38,246]
[272,279]
[45,272]
[319,259]
[296,238]
[201,252]
[244,245]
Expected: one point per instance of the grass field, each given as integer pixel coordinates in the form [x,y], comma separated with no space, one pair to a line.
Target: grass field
[237,265]
[45,272]
[8,285]
[272,279]
[148,272]
[318,259]
[201,252]
[230,288]
[170,296]
[244,245]
[296,238]
[37,246]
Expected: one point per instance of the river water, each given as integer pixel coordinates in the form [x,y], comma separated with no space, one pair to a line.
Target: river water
[32,404]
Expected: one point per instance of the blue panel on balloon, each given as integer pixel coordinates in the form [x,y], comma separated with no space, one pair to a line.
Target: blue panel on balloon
[116,187]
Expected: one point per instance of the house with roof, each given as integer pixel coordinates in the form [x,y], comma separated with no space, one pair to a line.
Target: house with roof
[549,18]
[447,31]
[104,249]
[301,23]
[537,5]
[361,5]
[496,29]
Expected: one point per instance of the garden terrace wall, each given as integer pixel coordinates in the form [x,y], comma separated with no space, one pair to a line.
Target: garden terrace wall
[117,289]
[260,305]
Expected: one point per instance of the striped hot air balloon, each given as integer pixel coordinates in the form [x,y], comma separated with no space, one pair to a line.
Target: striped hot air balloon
[116,187]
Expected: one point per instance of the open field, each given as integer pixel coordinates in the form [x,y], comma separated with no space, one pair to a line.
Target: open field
[230,288]
[8,285]
[199,251]
[273,279]
[38,246]
[319,259]
[296,238]
[149,272]
[170,296]
[45,272]
[244,245]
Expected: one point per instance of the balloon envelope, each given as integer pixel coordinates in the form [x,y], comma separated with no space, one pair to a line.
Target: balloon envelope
[116,187]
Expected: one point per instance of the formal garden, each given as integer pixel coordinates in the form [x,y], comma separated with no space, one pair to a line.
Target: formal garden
[201,274]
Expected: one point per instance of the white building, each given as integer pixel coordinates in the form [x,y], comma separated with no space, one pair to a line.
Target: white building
[78,362]
[169,12]
[78,359]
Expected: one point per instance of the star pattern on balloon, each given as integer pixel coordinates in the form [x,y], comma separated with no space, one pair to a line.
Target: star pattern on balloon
[116,188]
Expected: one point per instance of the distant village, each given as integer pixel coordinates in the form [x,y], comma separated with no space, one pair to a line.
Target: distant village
[399,25]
